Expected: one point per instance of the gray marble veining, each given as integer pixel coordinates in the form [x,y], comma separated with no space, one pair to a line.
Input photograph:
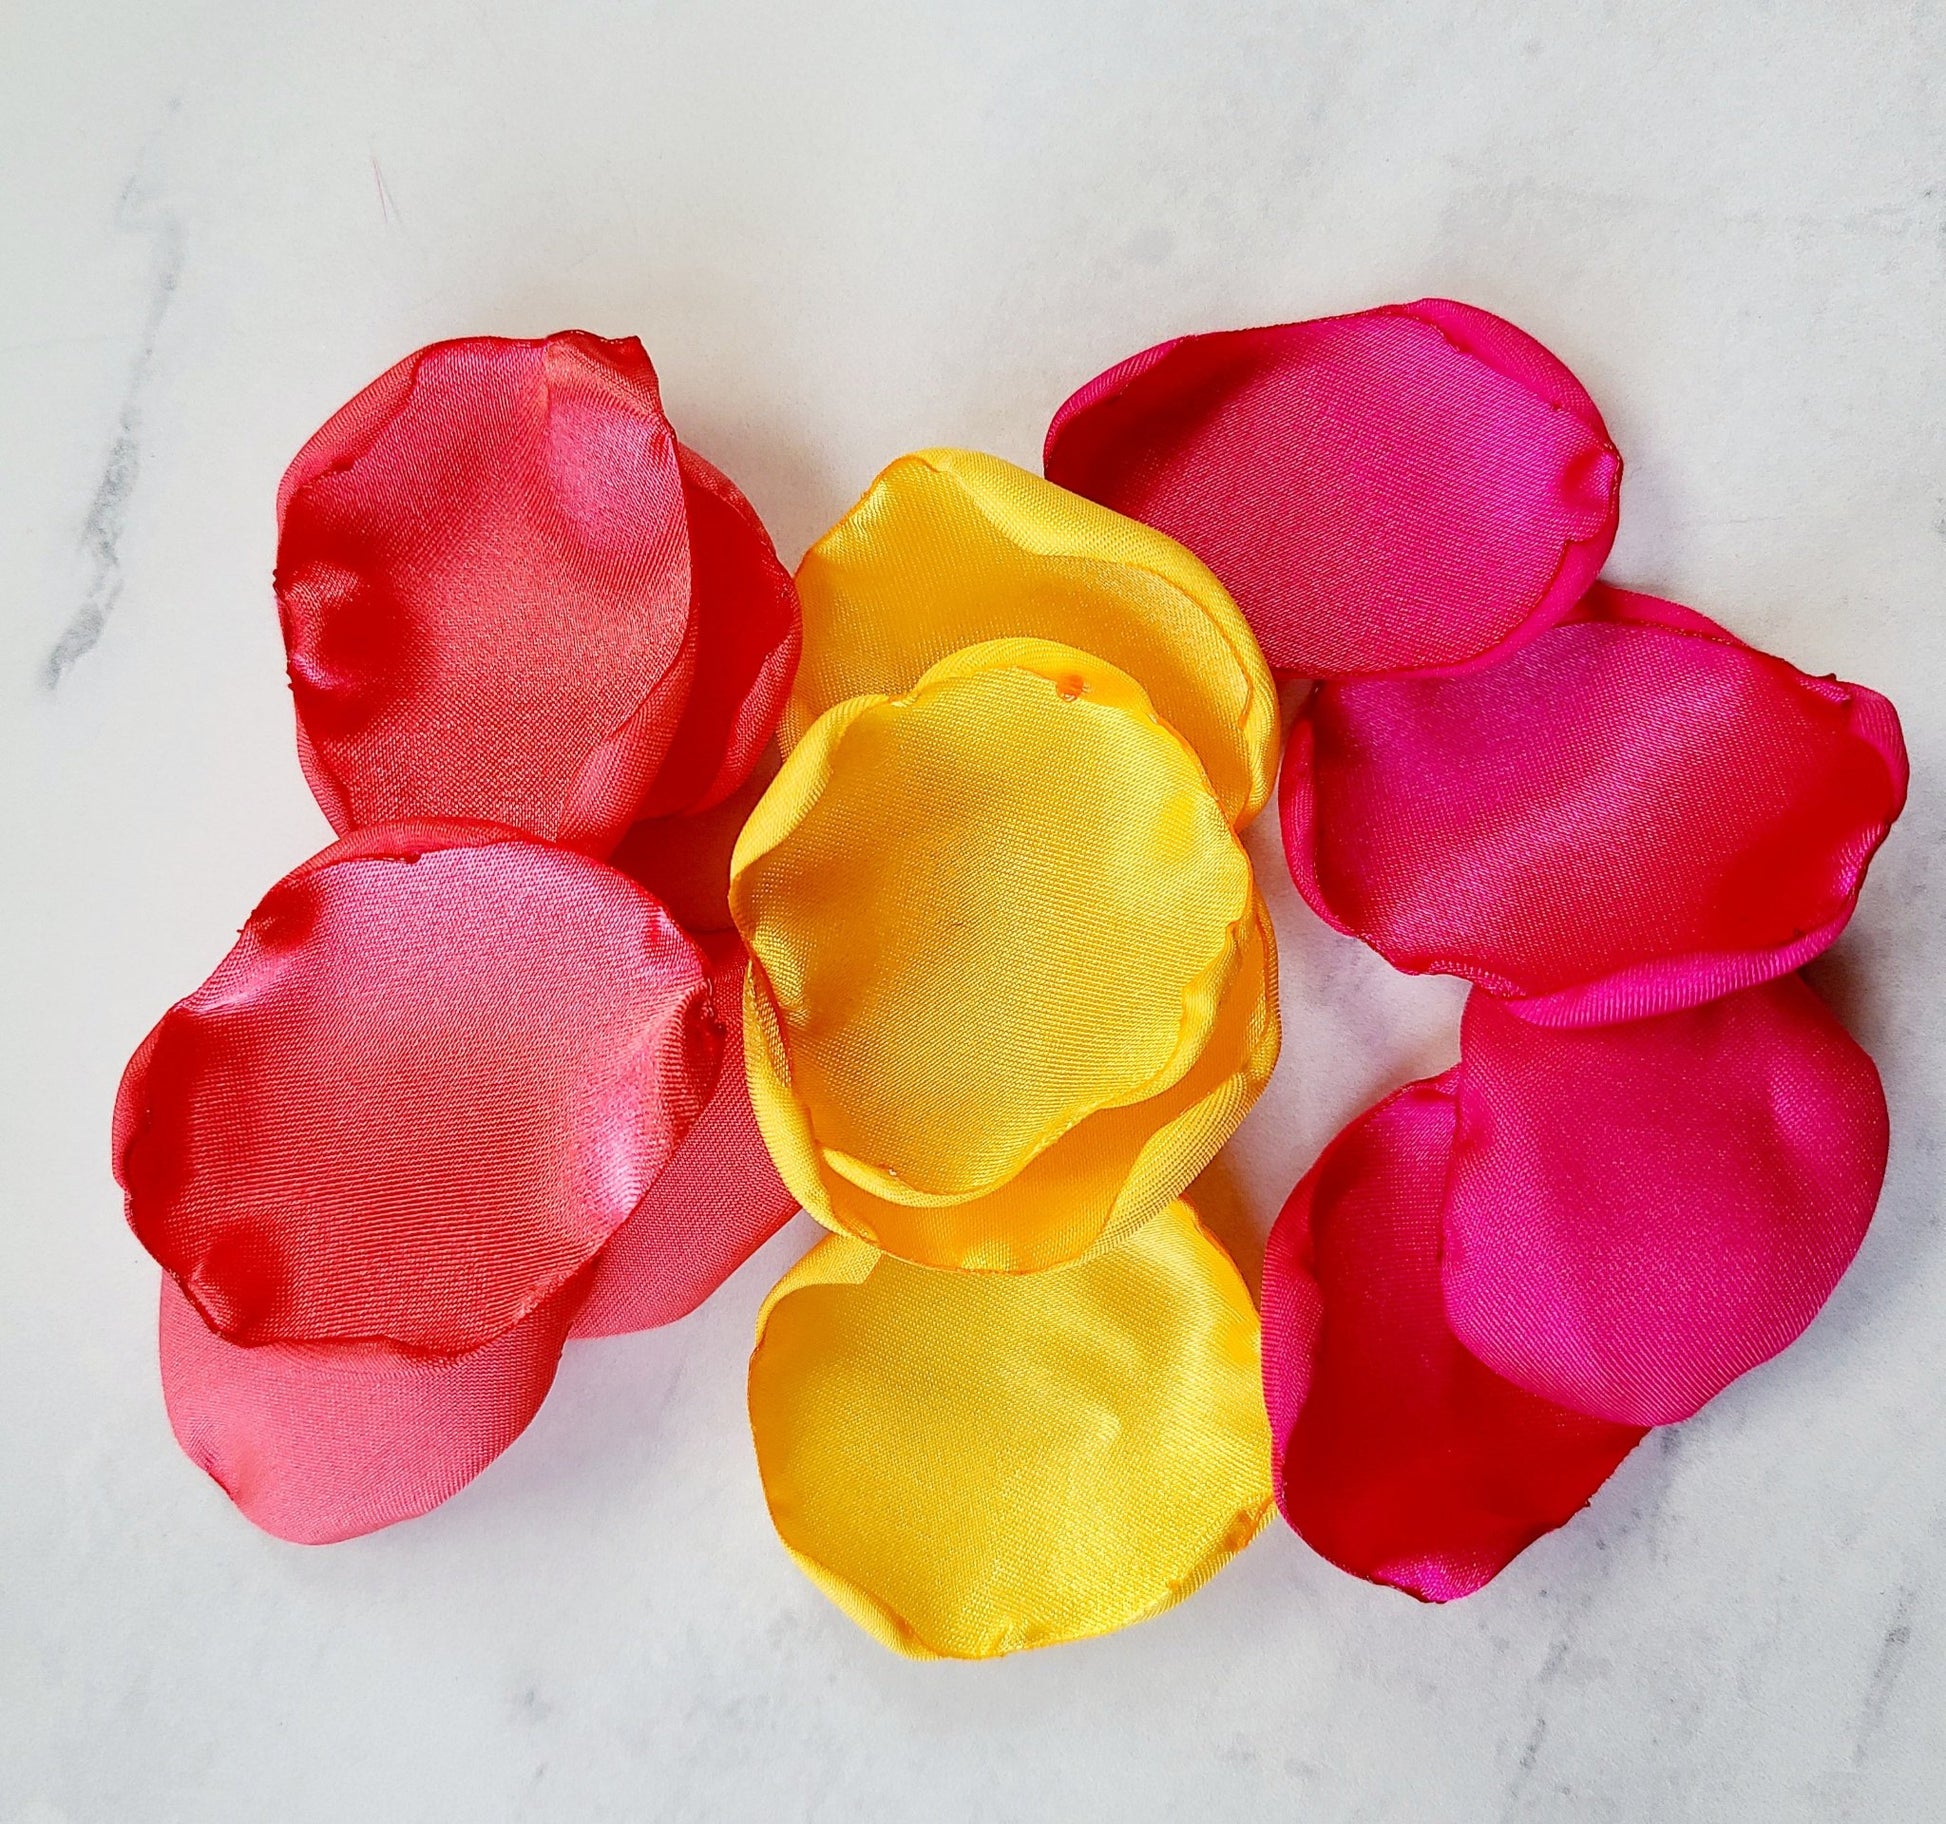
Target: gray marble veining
[845,232]
[107,516]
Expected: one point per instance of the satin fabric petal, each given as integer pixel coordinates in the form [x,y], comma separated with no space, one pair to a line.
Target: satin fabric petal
[684,860]
[1634,813]
[318,1442]
[1058,917]
[1638,1214]
[971,1465]
[1396,1454]
[1106,1176]
[949,548]
[1419,486]
[438,1071]
[423,526]
[748,638]
[712,1206]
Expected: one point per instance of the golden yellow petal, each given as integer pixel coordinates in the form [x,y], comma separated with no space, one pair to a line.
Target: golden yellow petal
[982,914]
[1094,1187]
[969,1465]
[949,548]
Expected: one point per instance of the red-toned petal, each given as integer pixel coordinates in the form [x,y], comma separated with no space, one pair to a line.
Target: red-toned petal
[439,1069]
[500,579]
[1637,1214]
[1412,487]
[317,1442]
[717,1201]
[1397,1455]
[685,860]
[748,634]
[1634,813]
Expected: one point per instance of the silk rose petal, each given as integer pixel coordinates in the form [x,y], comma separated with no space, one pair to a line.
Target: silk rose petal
[1397,1455]
[1413,487]
[440,1068]
[720,1198]
[509,594]
[1059,927]
[1637,1214]
[321,1442]
[949,549]
[714,1204]
[970,1464]
[379,1151]
[1634,813]
[684,860]
[748,637]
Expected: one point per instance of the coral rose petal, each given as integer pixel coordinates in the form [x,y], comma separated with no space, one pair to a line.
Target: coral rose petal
[949,549]
[747,641]
[969,1465]
[1634,813]
[684,859]
[1034,953]
[1409,487]
[497,606]
[1637,1214]
[716,1202]
[438,1071]
[1397,1455]
[317,1442]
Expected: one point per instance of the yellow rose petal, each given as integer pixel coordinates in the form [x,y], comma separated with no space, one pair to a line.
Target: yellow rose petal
[969,1465]
[984,915]
[1094,1187]
[949,548]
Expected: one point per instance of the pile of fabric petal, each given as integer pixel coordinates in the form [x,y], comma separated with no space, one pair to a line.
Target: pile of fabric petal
[672,895]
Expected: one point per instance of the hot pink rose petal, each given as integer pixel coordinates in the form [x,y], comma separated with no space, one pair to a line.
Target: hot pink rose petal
[1405,488]
[1633,813]
[1396,1454]
[1639,1213]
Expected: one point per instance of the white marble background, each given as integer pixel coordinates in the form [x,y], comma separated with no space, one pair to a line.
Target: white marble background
[844,231]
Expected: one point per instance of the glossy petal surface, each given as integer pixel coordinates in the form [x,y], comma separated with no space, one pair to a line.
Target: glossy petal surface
[684,859]
[1633,813]
[508,594]
[1638,1214]
[714,1204]
[1398,1455]
[317,1442]
[438,1071]
[1403,488]
[949,549]
[982,914]
[747,635]
[971,1464]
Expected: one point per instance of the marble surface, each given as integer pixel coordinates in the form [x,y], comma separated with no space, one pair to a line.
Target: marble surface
[845,231]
